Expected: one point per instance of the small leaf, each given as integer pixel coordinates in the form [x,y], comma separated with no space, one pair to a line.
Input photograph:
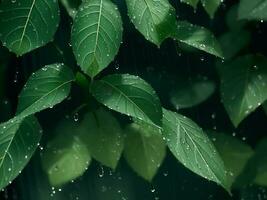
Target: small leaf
[104,137]
[234,41]
[66,157]
[154,19]
[144,151]
[234,153]
[27,24]
[253,10]
[211,6]
[232,20]
[198,37]
[243,85]
[18,141]
[191,93]
[45,88]
[129,95]
[192,3]
[96,35]
[192,147]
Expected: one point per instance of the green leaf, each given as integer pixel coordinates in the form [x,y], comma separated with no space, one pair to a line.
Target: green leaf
[192,3]
[45,88]
[18,141]
[191,93]
[192,147]
[234,41]
[104,137]
[27,24]
[211,6]
[144,151]
[155,19]
[96,35]
[234,153]
[198,37]
[232,20]
[253,10]
[66,156]
[129,95]
[260,162]
[243,85]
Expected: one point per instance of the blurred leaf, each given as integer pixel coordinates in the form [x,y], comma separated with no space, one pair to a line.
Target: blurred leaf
[198,37]
[154,19]
[66,157]
[211,6]
[243,85]
[45,88]
[192,3]
[234,41]
[104,137]
[129,95]
[27,24]
[234,153]
[18,141]
[71,6]
[253,10]
[96,35]
[261,163]
[191,93]
[144,151]
[192,147]
[232,20]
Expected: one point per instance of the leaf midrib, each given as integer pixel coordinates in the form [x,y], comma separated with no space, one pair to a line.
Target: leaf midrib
[118,90]
[26,23]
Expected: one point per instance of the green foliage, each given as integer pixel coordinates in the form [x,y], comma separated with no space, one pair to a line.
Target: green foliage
[104,138]
[144,150]
[192,147]
[96,35]
[253,10]
[104,114]
[154,19]
[66,156]
[18,141]
[27,24]
[129,95]
[197,37]
[234,153]
[242,94]
[191,93]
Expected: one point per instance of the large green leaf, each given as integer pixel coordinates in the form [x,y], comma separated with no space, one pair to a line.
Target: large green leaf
[154,19]
[234,153]
[191,93]
[198,37]
[44,89]
[192,147]
[96,35]
[104,137]
[243,85]
[253,10]
[144,151]
[211,6]
[192,3]
[27,24]
[18,141]
[66,157]
[129,95]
